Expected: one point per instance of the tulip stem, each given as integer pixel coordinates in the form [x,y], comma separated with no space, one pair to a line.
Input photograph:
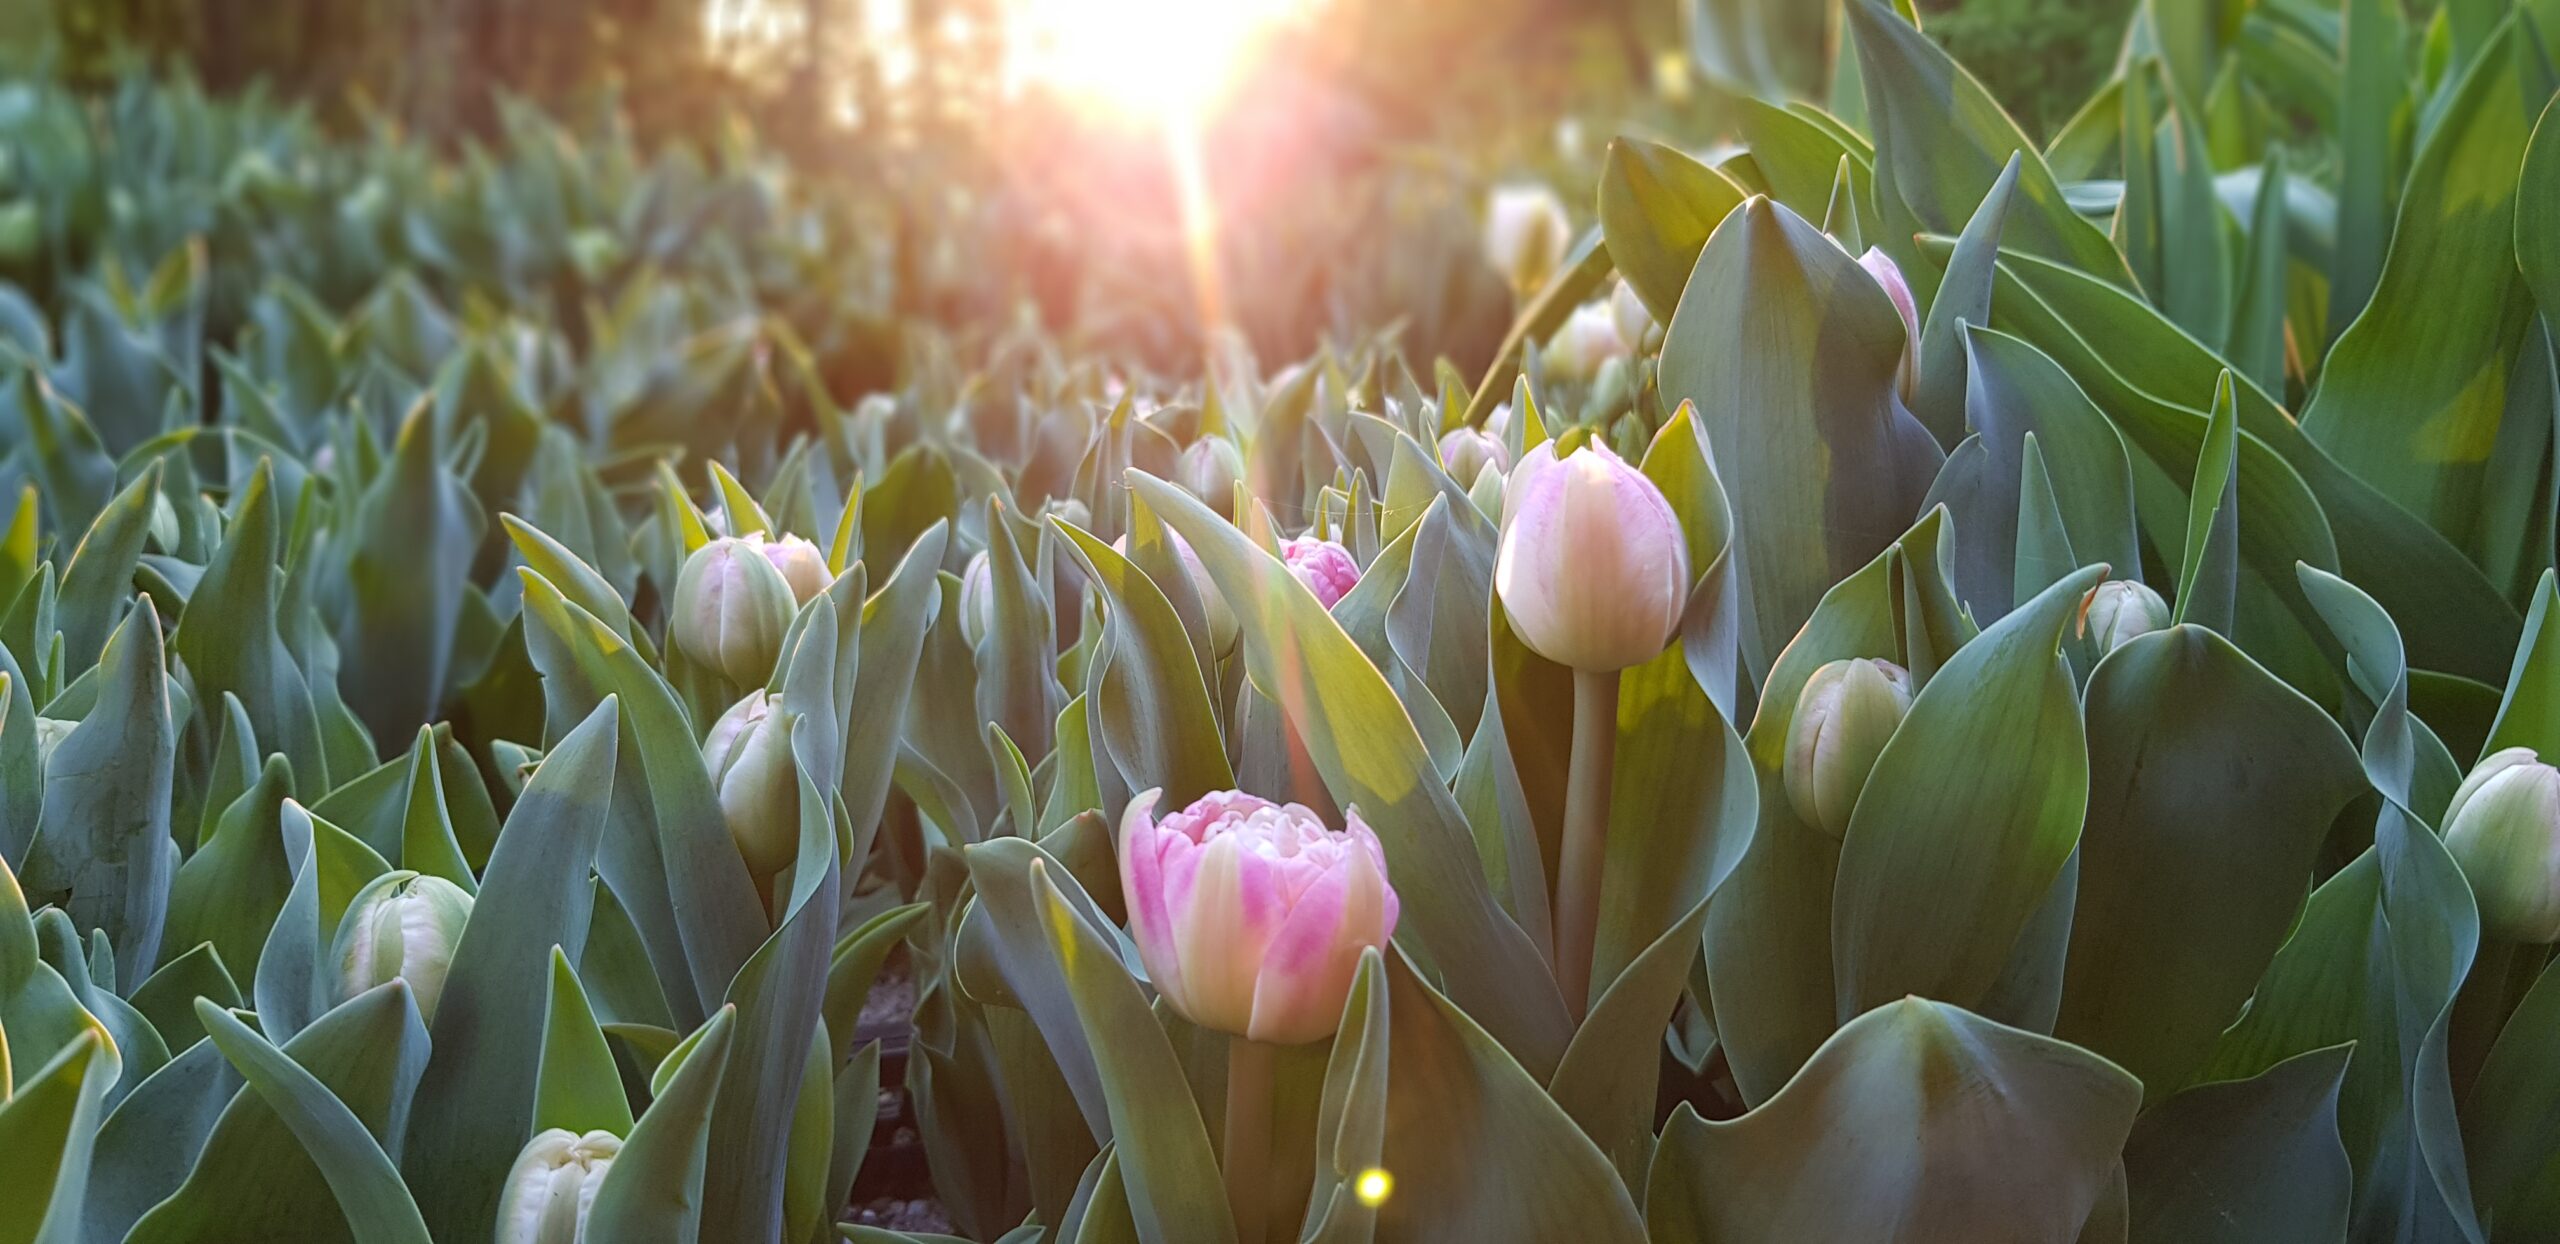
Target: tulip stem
[1585,851]
[1248,1154]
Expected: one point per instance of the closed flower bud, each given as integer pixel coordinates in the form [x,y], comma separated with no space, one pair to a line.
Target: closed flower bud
[1526,233]
[1847,711]
[405,925]
[1593,569]
[1211,467]
[2503,828]
[977,599]
[1251,916]
[1633,319]
[1586,342]
[1466,452]
[750,762]
[552,1187]
[803,567]
[1323,565]
[2122,609]
[731,607]
[1889,275]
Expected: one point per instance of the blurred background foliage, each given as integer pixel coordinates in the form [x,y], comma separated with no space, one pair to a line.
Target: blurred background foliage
[1366,133]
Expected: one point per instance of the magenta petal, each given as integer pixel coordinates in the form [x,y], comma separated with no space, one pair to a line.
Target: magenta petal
[1143,887]
[1308,966]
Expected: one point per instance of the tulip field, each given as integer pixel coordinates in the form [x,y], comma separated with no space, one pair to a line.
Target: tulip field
[1931,685]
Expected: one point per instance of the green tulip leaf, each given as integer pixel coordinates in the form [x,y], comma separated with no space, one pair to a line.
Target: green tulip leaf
[2253,1161]
[2211,788]
[1657,208]
[1941,400]
[2511,1120]
[1968,816]
[256,1177]
[1789,350]
[654,1190]
[49,1127]
[1153,712]
[575,1084]
[360,1175]
[1993,1125]
[103,850]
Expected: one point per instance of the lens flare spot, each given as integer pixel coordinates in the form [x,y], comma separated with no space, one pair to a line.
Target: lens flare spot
[1373,1187]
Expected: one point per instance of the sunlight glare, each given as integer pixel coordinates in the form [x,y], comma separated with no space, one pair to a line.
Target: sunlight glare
[1161,60]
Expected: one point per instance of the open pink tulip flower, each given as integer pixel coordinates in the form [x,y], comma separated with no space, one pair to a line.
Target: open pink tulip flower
[1593,569]
[1252,916]
[1323,565]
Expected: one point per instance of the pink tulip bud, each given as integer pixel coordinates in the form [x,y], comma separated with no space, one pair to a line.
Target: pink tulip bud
[1593,570]
[1889,275]
[1323,565]
[1251,916]
[1466,452]
[1584,344]
[801,564]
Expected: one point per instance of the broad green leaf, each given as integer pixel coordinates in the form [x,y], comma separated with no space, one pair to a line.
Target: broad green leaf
[778,996]
[1175,1194]
[2376,959]
[168,997]
[412,537]
[361,1176]
[2403,759]
[2255,341]
[98,585]
[1657,208]
[1611,1072]
[2537,217]
[1476,1149]
[2211,788]
[576,1086]
[1967,818]
[235,646]
[1993,1126]
[150,1140]
[428,843]
[1151,709]
[229,891]
[2511,1120]
[48,1127]
[654,1190]
[667,848]
[255,1178]
[1351,1115]
[2253,1161]
[1789,349]
[103,851]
